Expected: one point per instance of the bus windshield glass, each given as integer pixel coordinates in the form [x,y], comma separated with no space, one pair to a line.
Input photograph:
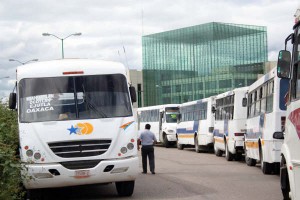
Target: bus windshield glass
[74,98]
[171,114]
[171,117]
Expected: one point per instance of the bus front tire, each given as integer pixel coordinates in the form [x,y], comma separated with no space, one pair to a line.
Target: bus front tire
[284,180]
[34,194]
[266,168]
[166,142]
[180,146]
[125,188]
[249,161]
[218,152]
[228,155]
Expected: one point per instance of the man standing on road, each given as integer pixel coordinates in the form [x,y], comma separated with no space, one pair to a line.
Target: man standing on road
[147,139]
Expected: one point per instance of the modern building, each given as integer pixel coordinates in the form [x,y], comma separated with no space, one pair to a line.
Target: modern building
[200,61]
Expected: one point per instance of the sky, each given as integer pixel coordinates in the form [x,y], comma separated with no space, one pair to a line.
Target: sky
[110,26]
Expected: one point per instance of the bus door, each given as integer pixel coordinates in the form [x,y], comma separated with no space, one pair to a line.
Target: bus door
[161,120]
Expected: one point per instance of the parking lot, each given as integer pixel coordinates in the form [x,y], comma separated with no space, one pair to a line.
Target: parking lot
[185,174]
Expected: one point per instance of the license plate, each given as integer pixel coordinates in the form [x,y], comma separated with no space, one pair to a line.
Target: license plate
[82,173]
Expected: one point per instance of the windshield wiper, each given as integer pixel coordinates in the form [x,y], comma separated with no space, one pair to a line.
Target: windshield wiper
[91,106]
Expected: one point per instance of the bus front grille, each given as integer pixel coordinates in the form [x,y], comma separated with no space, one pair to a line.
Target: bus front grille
[82,164]
[84,148]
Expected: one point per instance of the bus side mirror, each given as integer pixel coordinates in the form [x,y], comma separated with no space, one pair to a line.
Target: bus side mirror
[278,135]
[132,93]
[213,109]
[283,64]
[178,117]
[161,115]
[12,101]
[244,102]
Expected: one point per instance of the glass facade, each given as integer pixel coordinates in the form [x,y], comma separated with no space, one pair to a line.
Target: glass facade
[200,61]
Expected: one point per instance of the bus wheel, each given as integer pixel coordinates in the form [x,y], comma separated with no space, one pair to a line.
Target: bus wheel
[125,188]
[284,180]
[249,161]
[266,168]
[166,142]
[228,155]
[218,152]
[180,146]
[197,149]
[34,194]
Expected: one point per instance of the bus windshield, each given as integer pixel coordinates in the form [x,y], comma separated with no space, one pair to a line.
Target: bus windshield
[171,117]
[74,98]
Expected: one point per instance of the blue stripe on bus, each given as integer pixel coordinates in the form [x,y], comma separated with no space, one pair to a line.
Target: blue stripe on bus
[184,131]
[253,135]
[217,133]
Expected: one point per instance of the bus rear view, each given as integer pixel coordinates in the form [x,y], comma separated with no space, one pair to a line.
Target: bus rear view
[76,124]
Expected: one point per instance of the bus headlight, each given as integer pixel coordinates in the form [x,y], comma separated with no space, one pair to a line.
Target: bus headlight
[130,146]
[123,150]
[29,153]
[37,156]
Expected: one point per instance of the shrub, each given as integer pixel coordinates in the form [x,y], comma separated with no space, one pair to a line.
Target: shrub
[10,178]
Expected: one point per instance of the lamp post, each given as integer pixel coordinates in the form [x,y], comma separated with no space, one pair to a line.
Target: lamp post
[23,63]
[62,40]
[158,88]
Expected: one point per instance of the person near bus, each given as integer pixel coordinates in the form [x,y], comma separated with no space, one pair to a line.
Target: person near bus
[147,139]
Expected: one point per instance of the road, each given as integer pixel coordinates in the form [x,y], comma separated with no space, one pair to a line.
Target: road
[187,175]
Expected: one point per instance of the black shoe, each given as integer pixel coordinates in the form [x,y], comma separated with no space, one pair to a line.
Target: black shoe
[153,172]
[144,172]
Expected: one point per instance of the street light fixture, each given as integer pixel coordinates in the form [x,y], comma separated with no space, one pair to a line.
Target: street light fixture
[4,77]
[62,40]
[23,63]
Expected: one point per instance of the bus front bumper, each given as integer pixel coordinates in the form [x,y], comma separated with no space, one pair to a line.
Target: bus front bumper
[171,137]
[55,175]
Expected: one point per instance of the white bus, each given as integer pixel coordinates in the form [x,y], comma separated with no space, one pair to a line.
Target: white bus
[196,124]
[76,125]
[289,68]
[163,121]
[266,115]
[230,124]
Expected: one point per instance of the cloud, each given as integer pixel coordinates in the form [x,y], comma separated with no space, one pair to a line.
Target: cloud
[108,26]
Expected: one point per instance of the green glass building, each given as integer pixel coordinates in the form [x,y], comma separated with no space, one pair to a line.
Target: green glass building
[200,61]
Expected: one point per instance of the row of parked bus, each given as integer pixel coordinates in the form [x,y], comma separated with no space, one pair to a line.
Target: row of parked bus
[261,121]
[239,121]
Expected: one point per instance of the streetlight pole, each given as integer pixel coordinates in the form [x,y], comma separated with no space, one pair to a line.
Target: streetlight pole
[62,40]
[158,87]
[23,63]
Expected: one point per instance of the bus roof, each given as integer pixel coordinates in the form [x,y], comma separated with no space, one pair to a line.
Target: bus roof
[56,68]
[231,92]
[197,101]
[158,107]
